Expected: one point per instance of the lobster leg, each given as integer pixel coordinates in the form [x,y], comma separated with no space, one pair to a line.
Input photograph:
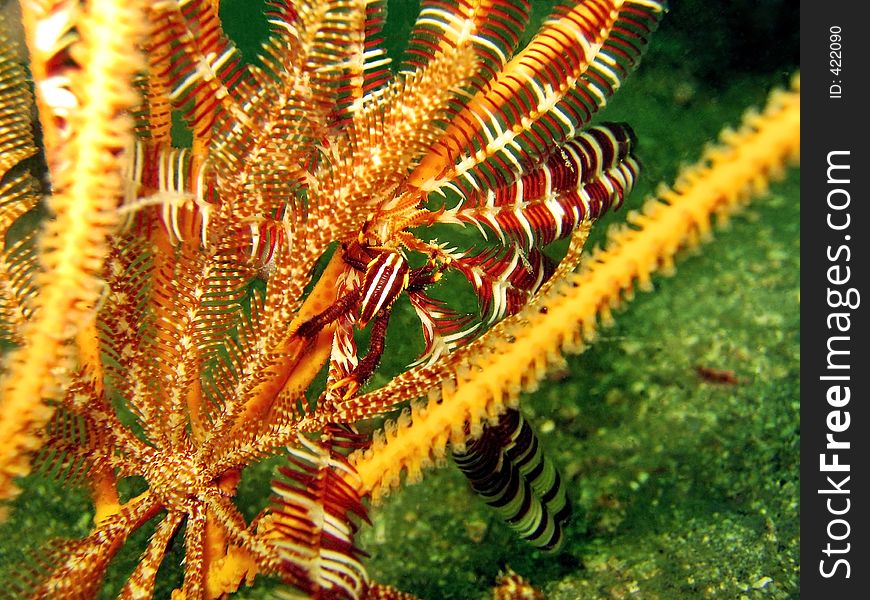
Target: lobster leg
[364,369]
[312,326]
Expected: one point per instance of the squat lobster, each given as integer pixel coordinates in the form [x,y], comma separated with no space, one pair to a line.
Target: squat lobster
[386,275]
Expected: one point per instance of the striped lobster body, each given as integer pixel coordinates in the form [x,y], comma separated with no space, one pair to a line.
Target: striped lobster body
[386,276]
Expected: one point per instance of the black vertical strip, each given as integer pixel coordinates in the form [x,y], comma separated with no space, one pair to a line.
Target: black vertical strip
[834,332]
[503,466]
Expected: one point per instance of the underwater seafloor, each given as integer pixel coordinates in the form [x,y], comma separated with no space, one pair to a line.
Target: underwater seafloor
[682,488]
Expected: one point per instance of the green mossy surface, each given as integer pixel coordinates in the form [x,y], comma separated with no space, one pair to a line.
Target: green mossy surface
[682,487]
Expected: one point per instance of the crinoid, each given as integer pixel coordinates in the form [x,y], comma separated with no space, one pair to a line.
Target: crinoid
[192,319]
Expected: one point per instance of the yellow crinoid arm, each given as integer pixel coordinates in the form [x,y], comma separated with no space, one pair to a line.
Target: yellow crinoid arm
[302,359]
[87,184]
[517,352]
